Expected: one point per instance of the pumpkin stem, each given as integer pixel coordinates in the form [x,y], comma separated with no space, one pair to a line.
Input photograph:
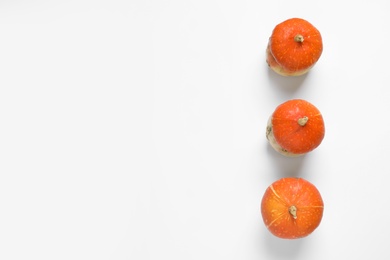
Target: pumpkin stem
[303,120]
[298,38]
[293,211]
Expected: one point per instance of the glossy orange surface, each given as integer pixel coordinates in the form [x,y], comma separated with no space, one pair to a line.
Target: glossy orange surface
[288,56]
[289,134]
[279,198]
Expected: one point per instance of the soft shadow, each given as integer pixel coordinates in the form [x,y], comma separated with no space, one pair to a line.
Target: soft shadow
[277,248]
[285,85]
[286,166]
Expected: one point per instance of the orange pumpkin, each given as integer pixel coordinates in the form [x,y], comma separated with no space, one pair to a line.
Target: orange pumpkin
[294,47]
[292,208]
[296,127]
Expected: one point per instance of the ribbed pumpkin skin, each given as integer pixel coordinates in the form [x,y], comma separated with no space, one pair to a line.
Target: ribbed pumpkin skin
[287,136]
[280,197]
[289,57]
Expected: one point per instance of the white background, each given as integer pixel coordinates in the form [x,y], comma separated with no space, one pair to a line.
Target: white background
[136,129]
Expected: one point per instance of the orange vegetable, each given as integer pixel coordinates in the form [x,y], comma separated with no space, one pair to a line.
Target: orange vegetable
[296,127]
[292,208]
[294,47]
